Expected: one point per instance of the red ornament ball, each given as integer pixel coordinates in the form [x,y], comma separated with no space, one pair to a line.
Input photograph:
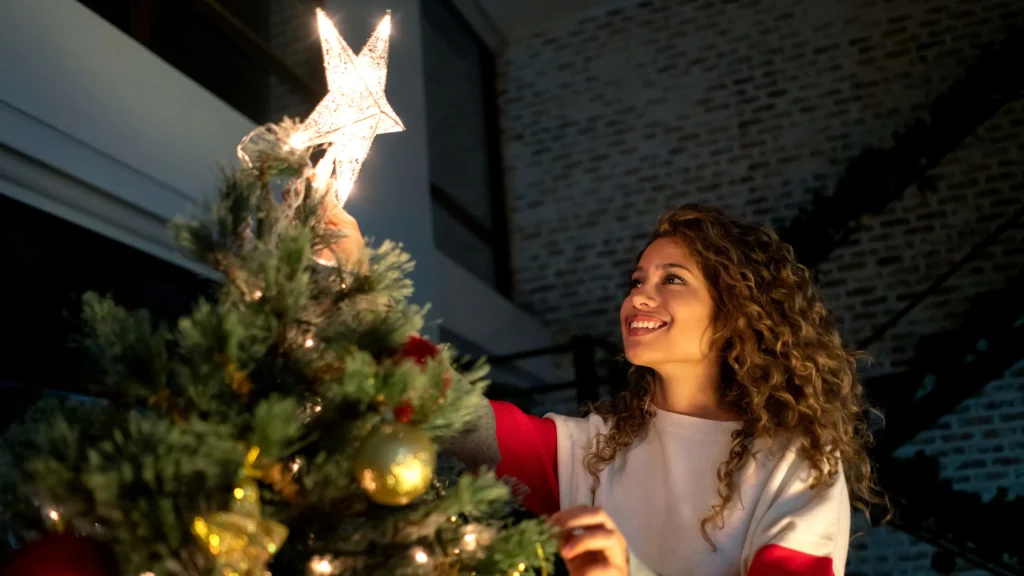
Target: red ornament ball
[418,349]
[62,555]
[403,413]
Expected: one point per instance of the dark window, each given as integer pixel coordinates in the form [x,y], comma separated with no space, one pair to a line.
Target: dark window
[469,211]
[117,12]
[199,48]
[48,264]
[240,50]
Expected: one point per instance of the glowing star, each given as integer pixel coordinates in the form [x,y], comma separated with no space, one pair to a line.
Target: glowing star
[354,110]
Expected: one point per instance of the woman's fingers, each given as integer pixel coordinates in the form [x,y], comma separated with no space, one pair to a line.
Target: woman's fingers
[350,246]
[582,540]
[590,542]
[582,516]
[591,564]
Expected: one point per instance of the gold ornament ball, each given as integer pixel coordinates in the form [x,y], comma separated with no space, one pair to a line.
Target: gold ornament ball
[395,464]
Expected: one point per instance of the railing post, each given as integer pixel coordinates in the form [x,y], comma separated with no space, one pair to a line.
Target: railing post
[584,362]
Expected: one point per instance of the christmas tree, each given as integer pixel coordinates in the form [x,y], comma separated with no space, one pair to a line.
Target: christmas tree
[290,424]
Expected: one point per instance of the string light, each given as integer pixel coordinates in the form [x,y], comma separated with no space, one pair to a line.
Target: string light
[420,555]
[147,573]
[475,537]
[310,408]
[54,515]
[469,542]
[308,343]
[257,295]
[323,565]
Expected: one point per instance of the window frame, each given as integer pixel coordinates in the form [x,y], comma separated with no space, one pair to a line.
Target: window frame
[497,237]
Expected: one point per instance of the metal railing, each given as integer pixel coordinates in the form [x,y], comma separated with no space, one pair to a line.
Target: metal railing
[587,378]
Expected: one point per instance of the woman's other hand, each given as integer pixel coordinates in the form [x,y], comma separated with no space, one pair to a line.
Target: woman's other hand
[350,247]
[590,543]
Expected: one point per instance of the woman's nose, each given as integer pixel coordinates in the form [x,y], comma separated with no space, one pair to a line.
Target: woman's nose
[644,298]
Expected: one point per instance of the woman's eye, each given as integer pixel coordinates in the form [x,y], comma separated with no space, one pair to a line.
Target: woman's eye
[674,279]
[635,283]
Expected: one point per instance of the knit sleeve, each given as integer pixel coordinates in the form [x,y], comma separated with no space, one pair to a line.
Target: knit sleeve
[799,530]
[515,445]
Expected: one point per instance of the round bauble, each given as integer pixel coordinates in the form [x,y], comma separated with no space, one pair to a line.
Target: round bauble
[395,463]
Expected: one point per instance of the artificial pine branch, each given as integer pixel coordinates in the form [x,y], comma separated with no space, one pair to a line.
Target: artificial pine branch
[303,361]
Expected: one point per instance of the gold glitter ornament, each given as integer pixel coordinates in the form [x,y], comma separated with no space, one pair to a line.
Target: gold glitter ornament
[241,539]
[395,464]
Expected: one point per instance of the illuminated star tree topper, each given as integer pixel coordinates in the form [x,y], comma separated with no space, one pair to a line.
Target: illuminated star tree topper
[354,110]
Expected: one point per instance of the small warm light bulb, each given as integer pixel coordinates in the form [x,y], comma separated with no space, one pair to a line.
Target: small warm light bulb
[308,343]
[257,295]
[147,573]
[239,493]
[321,565]
[54,515]
[214,540]
[421,556]
[522,567]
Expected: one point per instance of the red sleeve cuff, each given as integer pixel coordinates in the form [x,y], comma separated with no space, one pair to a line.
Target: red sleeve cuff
[529,453]
[775,560]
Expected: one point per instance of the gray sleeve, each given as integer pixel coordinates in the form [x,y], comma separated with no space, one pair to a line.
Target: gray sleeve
[638,568]
[477,445]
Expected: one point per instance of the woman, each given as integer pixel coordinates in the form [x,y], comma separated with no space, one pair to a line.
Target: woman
[740,442]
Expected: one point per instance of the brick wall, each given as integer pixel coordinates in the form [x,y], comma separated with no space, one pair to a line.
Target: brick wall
[752,106]
[746,105]
[980,447]
[920,235]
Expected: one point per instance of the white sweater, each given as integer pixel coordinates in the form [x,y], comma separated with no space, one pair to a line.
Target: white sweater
[658,491]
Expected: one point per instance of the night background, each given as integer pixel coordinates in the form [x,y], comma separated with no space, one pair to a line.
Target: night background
[884,140]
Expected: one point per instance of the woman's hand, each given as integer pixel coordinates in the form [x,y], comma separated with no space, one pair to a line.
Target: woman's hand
[590,543]
[350,246]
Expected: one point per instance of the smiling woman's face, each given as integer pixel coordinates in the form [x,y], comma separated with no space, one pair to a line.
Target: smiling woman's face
[667,317]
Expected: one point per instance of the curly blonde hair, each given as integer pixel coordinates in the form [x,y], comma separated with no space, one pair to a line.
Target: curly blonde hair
[784,368]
